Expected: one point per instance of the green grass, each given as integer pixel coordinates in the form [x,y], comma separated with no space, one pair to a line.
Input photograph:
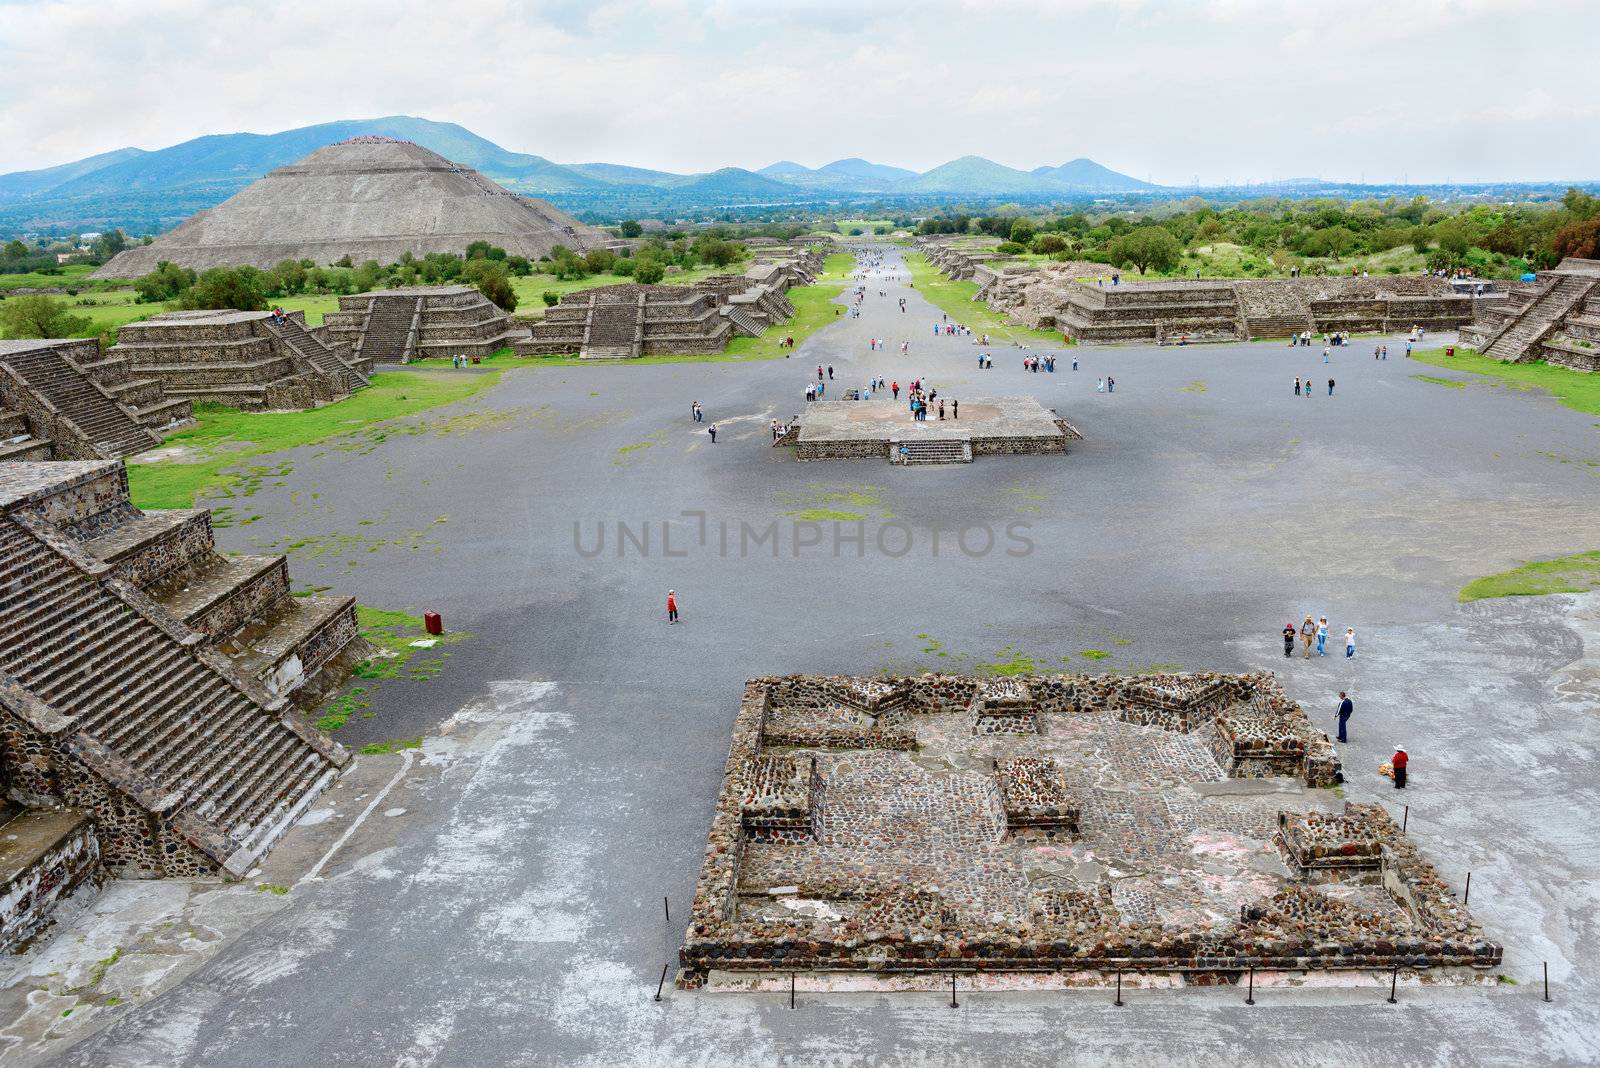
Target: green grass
[954,298]
[226,438]
[826,515]
[1448,383]
[1566,574]
[74,277]
[393,745]
[392,633]
[1572,388]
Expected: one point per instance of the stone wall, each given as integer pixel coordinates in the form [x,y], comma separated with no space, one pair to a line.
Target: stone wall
[46,858]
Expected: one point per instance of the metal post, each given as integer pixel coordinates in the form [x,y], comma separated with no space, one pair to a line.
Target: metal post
[666,906]
[1250,994]
[1118,1002]
[1394,977]
[791,990]
[1405,819]
[953,1004]
[1547,980]
[1465,894]
[663,982]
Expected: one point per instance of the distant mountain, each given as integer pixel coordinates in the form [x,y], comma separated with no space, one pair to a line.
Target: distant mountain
[618,174]
[1088,176]
[27,183]
[856,167]
[733,181]
[784,166]
[973,175]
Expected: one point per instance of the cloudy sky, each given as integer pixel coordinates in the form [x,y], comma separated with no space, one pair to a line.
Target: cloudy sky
[1214,90]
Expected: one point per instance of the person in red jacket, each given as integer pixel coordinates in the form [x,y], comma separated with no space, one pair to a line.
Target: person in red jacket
[672,607]
[1400,760]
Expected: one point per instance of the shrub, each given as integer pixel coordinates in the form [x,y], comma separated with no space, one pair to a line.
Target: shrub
[37,316]
[648,271]
[551,298]
[1010,248]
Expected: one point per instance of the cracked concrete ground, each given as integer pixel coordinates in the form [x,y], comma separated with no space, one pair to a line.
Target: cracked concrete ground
[501,902]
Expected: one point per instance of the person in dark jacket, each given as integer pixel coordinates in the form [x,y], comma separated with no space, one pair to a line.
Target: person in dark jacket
[1288,639]
[1346,707]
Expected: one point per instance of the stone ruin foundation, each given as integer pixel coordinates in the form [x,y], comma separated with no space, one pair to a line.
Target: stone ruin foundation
[1181,825]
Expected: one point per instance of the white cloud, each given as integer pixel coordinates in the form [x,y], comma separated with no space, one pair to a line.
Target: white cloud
[1226,89]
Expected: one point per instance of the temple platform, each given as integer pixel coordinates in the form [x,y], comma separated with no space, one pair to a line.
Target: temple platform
[882,427]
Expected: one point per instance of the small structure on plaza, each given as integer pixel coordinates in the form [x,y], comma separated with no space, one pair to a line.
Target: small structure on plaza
[884,428]
[64,400]
[1055,823]
[417,322]
[1555,319]
[254,360]
[148,690]
[368,198]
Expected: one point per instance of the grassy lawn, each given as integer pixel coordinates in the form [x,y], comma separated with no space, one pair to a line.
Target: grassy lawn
[955,299]
[1572,388]
[1567,574]
[75,276]
[216,451]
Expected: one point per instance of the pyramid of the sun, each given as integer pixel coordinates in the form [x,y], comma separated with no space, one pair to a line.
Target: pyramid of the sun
[369,198]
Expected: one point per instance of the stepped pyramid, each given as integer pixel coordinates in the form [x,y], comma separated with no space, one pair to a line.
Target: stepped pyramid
[150,682]
[369,198]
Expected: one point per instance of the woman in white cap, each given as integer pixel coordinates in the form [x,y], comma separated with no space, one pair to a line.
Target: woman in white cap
[1399,762]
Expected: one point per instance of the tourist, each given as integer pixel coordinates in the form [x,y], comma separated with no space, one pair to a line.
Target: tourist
[1322,636]
[819,372]
[1074,363]
[695,413]
[1330,387]
[672,607]
[830,372]
[1349,642]
[1324,354]
[1398,762]
[1308,634]
[1111,384]
[712,430]
[1408,350]
[1099,385]
[1346,707]
[941,411]
[1297,385]
[1288,638]
[894,390]
[955,409]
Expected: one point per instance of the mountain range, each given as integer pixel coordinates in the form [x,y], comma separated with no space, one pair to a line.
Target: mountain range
[147,191]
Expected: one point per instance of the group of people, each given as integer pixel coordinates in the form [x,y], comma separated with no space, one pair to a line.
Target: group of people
[1035,364]
[1307,389]
[1315,632]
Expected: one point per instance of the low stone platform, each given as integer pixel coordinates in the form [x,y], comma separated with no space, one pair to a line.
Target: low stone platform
[1111,825]
[882,427]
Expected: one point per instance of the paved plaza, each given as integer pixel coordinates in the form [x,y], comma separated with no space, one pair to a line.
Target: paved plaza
[496,896]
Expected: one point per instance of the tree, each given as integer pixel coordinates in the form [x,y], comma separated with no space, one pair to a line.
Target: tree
[648,270]
[1048,244]
[1022,231]
[226,287]
[166,282]
[493,281]
[630,228]
[715,251]
[599,260]
[15,250]
[36,315]
[1581,239]
[1147,248]
[109,244]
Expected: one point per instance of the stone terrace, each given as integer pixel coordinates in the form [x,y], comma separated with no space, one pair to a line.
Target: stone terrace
[244,359]
[418,322]
[63,400]
[846,429]
[1106,827]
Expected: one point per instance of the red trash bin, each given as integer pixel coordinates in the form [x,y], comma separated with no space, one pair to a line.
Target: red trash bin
[432,623]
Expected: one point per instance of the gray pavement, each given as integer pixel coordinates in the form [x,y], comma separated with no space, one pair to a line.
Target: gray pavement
[512,914]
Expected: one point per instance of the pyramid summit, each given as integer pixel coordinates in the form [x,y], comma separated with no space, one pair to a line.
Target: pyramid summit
[369,198]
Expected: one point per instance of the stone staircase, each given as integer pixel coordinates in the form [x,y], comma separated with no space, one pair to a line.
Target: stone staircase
[744,322]
[176,749]
[1276,325]
[390,332]
[612,333]
[1519,339]
[317,354]
[931,451]
[109,428]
